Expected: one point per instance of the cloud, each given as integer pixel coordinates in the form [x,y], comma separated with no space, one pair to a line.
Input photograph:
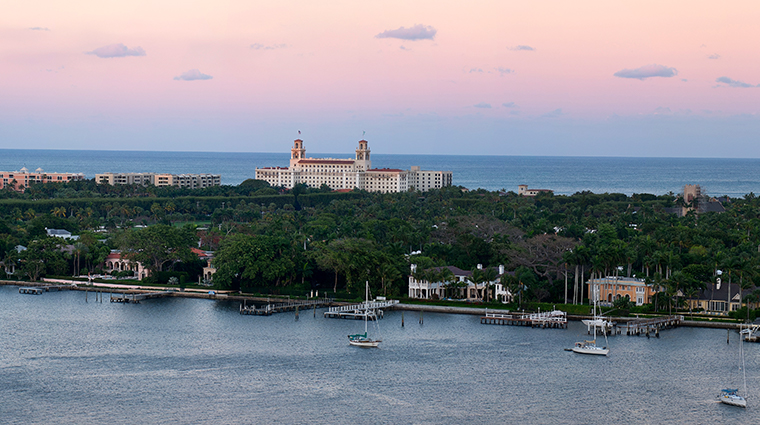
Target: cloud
[522,47]
[553,114]
[258,46]
[647,71]
[193,74]
[734,83]
[483,105]
[404,48]
[475,70]
[117,51]
[417,32]
[510,105]
[503,71]
[714,56]
[39,29]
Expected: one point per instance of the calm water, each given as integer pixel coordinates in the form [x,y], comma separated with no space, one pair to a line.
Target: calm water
[64,360]
[565,175]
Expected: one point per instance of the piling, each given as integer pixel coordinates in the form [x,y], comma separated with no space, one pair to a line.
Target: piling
[402,319]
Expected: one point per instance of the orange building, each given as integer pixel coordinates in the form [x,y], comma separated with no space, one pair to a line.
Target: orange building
[610,288]
[20,180]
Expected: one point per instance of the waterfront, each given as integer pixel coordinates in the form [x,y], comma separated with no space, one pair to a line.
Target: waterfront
[565,175]
[178,360]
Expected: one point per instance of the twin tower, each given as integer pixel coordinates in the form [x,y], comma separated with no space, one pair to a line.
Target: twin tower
[361,163]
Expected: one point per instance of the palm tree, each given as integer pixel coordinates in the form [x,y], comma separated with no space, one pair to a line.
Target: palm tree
[489,276]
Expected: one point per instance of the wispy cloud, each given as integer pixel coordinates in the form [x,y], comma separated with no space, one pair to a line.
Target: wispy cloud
[510,105]
[193,74]
[404,48]
[417,32]
[503,71]
[39,29]
[117,51]
[483,105]
[714,56]
[259,46]
[522,47]
[647,71]
[475,70]
[553,114]
[734,83]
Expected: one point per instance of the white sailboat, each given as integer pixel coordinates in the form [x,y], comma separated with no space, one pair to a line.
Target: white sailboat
[361,340]
[590,347]
[730,396]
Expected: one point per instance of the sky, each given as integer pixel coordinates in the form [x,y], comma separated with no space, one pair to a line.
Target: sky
[559,78]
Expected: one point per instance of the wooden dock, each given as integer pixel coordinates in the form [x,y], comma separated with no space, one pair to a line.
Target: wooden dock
[550,319]
[371,310]
[270,309]
[32,291]
[135,297]
[650,326]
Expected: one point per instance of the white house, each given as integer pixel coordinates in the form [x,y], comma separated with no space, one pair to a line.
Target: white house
[463,288]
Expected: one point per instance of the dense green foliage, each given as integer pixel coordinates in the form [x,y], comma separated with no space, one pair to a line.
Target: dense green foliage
[269,238]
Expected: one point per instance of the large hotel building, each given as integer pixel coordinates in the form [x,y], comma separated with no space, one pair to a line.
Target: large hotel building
[348,174]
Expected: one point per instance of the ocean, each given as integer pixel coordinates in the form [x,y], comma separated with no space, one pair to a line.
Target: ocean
[67,359]
[565,175]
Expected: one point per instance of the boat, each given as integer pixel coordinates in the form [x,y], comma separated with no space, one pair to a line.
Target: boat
[590,347]
[362,340]
[730,396]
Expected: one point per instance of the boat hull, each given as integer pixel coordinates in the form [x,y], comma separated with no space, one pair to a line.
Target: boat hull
[737,401]
[591,350]
[365,344]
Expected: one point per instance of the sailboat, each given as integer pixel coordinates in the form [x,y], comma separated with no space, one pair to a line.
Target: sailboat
[589,347]
[730,396]
[361,340]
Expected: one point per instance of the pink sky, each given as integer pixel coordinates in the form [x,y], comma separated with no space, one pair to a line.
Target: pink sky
[260,71]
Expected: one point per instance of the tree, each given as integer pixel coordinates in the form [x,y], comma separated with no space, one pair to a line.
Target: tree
[156,245]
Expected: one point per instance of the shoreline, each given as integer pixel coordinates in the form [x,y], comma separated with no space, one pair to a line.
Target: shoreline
[226,295]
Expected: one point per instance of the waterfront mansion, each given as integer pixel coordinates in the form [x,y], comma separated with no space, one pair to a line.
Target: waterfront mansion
[434,285]
[347,174]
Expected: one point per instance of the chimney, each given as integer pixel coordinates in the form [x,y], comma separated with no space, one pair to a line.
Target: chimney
[501,269]
[480,267]
[414,268]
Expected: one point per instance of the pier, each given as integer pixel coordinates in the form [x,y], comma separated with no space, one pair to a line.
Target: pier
[371,310]
[32,291]
[270,309]
[549,319]
[647,326]
[135,298]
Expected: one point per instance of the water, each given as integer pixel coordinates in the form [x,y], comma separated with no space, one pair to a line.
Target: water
[183,361]
[565,175]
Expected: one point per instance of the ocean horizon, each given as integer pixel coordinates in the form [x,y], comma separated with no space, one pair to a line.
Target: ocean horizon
[564,175]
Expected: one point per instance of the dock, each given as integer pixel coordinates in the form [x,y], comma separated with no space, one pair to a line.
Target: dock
[371,310]
[270,309]
[135,298]
[32,291]
[549,319]
[654,325]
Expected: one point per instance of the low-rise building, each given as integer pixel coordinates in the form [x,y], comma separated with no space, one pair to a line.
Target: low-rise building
[461,287]
[22,179]
[116,262]
[190,181]
[523,190]
[610,288]
[719,298]
[61,233]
